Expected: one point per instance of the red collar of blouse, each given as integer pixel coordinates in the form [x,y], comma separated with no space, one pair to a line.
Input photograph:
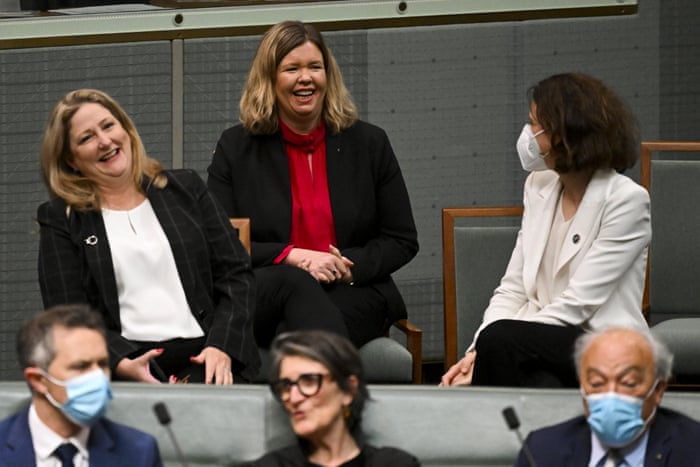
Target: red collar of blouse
[304,143]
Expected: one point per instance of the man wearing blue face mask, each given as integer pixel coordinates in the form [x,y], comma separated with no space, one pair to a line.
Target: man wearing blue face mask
[64,356]
[623,374]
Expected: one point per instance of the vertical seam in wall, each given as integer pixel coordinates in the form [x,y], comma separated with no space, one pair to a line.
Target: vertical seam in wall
[177,56]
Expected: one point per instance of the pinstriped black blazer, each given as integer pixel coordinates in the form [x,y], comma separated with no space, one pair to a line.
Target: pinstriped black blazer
[212,264]
[372,213]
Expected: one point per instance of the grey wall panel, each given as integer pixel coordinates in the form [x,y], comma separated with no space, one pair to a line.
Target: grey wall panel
[215,70]
[679,70]
[623,52]
[31,81]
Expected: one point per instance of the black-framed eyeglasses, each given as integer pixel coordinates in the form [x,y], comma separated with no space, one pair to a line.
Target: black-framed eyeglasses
[308,384]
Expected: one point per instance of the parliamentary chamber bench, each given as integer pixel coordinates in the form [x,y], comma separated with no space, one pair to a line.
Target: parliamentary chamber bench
[224,426]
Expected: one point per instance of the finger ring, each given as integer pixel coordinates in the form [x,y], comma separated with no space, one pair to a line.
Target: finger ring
[335,272]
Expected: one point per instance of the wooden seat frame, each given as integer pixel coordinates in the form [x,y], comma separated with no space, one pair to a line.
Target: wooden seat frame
[449,215]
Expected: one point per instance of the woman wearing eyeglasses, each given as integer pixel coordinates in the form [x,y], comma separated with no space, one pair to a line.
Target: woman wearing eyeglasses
[318,378]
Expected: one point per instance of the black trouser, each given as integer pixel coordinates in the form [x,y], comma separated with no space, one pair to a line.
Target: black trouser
[522,353]
[175,360]
[289,298]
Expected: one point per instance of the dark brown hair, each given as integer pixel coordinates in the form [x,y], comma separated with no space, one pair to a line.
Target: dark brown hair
[334,352]
[589,125]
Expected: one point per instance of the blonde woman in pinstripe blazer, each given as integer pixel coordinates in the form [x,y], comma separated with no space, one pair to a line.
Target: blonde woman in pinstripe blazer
[148,248]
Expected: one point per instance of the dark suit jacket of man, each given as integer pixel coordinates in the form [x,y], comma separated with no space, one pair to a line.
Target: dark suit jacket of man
[75,265]
[110,444]
[372,213]
[674,441]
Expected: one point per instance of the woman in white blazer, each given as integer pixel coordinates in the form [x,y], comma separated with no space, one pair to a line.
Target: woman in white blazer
[579,259]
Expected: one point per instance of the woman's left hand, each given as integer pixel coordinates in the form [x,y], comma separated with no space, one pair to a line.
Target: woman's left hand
[217,366]
[325,267]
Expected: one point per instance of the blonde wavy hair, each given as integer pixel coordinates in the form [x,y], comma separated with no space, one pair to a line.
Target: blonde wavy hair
[258,106]
[62,181]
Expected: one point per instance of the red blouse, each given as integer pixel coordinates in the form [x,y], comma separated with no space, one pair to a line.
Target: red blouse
[312,218]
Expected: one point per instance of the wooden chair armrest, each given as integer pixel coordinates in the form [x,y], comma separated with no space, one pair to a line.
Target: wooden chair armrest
[414,344]
[242,225]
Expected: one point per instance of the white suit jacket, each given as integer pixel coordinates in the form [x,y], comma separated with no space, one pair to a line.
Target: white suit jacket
[605,248]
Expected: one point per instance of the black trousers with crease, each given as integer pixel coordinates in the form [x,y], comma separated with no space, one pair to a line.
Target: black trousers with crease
[527,354]
[289,298]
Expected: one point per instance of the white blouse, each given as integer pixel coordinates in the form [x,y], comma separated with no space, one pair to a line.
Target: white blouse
[549,284]
[152,302]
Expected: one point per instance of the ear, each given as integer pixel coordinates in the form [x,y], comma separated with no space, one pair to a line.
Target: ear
[659,391]
[353,384]
[35,380]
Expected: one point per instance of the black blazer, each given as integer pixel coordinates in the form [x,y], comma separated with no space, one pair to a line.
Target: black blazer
[374,224]
[293,456]
[212,264]
[673,442]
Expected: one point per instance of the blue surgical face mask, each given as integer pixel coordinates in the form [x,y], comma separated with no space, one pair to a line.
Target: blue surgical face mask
[617,418]
[88,396]
[531,157]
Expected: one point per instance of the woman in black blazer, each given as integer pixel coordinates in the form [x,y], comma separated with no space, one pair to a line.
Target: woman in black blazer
[329,210]
[149,249]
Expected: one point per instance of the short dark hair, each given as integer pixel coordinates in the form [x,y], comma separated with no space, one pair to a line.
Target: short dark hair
[333,351]
[590,126]
[35,345]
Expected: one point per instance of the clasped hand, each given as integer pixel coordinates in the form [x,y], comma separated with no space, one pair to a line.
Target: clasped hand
[325,267]
[460,374]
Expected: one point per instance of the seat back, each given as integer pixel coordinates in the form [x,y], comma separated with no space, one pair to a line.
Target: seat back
[477,244]
[385,361]
[225,426]
[671,301]
[674,255]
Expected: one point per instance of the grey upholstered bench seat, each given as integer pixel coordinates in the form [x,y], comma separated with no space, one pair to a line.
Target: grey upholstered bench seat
[221,426]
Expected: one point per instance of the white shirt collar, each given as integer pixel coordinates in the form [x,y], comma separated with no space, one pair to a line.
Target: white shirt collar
[633,454]
[45,440]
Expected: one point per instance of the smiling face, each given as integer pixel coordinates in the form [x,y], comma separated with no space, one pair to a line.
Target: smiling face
[300,87]
[317,416]
[100,147]
[621,361]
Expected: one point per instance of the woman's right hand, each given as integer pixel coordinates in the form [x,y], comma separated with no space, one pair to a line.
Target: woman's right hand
[460,374]
[138,369]
[324,267]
